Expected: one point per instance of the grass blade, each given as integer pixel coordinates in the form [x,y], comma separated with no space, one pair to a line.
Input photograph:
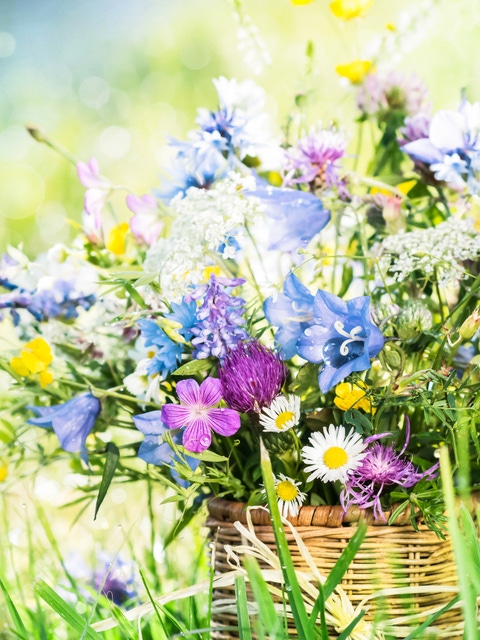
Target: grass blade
[64,610]
[17,621]
[338,571]
[345,635]
[242,609]
[266,608]
[432,618]
[111,461]
[294,593]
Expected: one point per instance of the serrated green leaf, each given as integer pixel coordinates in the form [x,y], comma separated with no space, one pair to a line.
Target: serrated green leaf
[111,461]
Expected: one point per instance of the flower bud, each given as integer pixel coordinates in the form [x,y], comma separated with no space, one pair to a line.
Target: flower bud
[470,325]
[413,320]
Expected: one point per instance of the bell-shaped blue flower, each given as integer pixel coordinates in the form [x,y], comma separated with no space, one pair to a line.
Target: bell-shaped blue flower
[154,450]
[297,215]
[342,338]
[168,353]
[71,421]
[292,312]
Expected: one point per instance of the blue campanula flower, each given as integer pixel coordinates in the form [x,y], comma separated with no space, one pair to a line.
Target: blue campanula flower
[342,338]
[220,320]
[452,148]
[72,421]
[297,215]
[184,314]
[153,448]
[292,312]
[168,353]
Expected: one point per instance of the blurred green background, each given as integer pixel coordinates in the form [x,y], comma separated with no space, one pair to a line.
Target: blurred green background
[113,78]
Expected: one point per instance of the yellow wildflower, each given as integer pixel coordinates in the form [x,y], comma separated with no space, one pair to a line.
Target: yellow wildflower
[349,9]
[207,272]
[354,71]
[351,396]
[299,2]
[34,359]
[116,239]
[3,470]
[391,27]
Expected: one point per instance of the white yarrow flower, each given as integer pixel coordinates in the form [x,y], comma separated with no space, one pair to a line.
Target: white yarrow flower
[289,496]
[332,454]
[282,414]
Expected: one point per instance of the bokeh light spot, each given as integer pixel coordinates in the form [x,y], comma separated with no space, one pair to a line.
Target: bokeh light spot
[115,141]
[22,190]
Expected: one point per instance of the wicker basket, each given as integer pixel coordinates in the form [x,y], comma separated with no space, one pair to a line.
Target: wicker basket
[390,557]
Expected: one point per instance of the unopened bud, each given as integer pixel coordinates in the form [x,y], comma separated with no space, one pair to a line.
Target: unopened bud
[38,133]
[413,320]
[470,325]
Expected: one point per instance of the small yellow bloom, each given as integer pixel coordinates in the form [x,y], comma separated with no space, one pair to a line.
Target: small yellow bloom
[391,27]
[349,9]
[3,470]
[34,358]
[354,71]
[351,396]
[299,2]
[207,272]
[116,239]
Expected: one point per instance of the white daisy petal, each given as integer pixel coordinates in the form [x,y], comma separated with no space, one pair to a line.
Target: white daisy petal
[333,454]
[282,414]
[289,497]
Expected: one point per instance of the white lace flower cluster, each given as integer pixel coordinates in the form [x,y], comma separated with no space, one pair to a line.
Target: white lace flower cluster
[438,252]
[205,220]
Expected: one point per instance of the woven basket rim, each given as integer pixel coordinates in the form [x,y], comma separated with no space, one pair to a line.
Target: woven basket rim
[222,510]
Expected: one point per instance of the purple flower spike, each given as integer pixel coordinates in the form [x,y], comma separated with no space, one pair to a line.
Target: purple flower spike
[72,421]
[197,412]
[252,377]
[381,469]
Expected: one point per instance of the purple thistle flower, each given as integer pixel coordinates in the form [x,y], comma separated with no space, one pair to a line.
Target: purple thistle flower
[72,421]
[380,469]
[252,377]
[393,91]
[219,319]
[199,415]
[315,157]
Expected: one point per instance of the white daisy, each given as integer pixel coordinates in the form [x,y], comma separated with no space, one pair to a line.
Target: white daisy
[282,414]
[333,454]
[289,497]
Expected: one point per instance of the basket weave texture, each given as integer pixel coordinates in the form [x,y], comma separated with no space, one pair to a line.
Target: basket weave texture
[393,556]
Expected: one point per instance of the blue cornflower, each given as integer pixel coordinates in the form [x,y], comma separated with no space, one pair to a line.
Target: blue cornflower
[342,338]
[297,215]
[185,314]
[452,147]
[219,318]
[72,421]
[197,164]
[168,352]
[292,312]
[154,450]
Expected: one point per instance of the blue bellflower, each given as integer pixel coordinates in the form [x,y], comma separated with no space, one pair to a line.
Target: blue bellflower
[185,314]
[297,215]
[219,319]
[342,338]
[72,421]
[154,450]
[292,312]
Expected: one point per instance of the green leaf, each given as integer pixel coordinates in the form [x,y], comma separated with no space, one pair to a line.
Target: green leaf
[125,626]
[195,366]
[17,621]
[432,618]
[64,610]
[135,296]
[111,462]
[336,574]
[242,609]
[266,608]
[345,635]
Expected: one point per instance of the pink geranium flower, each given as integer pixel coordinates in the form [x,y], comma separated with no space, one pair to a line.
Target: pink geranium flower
[199,415]
[145,224]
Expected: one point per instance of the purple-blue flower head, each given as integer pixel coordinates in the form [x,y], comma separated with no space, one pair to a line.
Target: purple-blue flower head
[168,353]
[381,469]
[290,311]
[297,215]
[155,450]
[220,320]
[252,377]
[184,314]
[116,580]
[71,421]
[342,338]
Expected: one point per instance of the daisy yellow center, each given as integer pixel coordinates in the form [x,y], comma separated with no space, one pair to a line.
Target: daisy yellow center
[335,457]
[283,419]
[286,491]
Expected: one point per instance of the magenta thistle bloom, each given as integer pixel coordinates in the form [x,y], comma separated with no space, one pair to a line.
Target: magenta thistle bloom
[380,469]
[384,92]
[199,415]
[252,376]
[316,156]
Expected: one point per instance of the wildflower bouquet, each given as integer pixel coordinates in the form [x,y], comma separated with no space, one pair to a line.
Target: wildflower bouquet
[266,290]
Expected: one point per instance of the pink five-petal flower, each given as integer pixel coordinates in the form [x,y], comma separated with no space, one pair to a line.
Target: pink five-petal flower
[145,224]
[198,414]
